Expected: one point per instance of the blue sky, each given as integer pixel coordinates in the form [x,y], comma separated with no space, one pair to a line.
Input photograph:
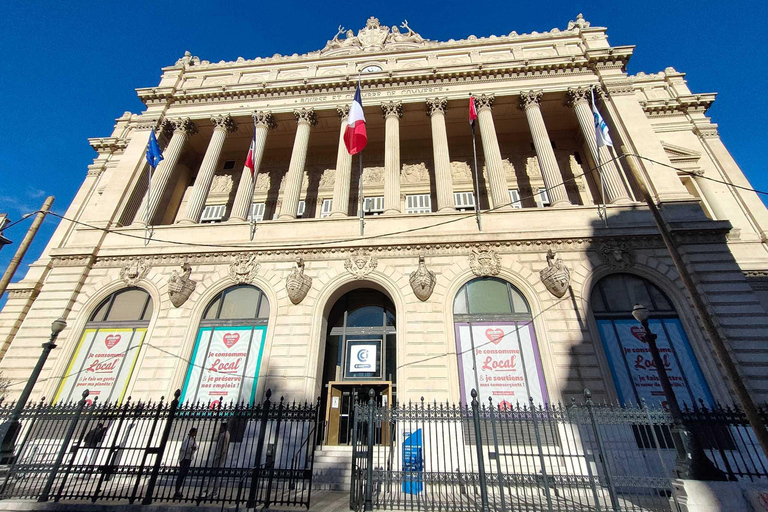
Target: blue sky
[68,69]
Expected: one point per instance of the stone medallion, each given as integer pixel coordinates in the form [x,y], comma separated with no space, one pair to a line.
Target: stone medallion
[134,271]
[180,286]
[360,263]
[297,284]
[484,262]
[618,256]
[423,281]
[556,277]
[243,268]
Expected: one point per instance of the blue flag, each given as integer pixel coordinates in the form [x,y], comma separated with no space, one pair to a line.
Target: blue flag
[154,155]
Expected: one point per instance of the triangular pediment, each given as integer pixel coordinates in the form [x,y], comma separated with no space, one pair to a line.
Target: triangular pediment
[679,154]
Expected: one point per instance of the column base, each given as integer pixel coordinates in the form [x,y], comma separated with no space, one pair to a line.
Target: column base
[286,216]
[563,203]
[187,221]
[236,219]
[391,212]
[622,201]
[337,215]
[445,209]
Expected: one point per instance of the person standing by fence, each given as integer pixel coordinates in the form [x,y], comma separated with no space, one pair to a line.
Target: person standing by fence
[91,443]
[219,458]
[186,453]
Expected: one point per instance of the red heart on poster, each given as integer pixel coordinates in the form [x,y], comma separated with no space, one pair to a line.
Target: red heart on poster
[112,340]
[505,406]
[495,335]
[230,339]
[638,332]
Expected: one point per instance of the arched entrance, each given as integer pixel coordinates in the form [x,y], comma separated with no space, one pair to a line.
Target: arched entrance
[360,355]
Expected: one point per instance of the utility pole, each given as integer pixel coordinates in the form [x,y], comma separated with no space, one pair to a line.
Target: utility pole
[747,404]
[22,250]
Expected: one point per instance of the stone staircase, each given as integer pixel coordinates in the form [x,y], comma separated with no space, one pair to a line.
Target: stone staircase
[332,469]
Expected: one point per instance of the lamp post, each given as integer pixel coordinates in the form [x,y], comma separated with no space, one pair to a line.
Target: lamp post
[10,428]
[691,461]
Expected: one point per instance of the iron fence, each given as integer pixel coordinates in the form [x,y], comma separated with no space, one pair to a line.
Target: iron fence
[529,458]
[136,452]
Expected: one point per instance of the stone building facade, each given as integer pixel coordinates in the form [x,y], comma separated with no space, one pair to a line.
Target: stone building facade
[314,309]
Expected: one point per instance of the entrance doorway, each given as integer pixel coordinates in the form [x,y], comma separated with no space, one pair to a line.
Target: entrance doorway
[360,355]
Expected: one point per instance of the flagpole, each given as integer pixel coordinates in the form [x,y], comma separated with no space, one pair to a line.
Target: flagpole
[602,185]
[477,179]
[251,216]
[360,193]
[150,171]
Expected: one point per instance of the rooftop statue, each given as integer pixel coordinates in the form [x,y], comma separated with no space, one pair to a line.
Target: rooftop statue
[372,38]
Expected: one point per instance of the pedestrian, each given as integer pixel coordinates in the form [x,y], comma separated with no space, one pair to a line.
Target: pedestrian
[219,459]
[91,443]
[186,453]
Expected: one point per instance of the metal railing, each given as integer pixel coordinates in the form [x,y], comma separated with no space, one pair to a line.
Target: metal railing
[132,452]
[431,456]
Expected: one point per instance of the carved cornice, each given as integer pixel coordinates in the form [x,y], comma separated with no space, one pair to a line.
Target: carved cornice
[107,144]
[578,95]
[23,294]
[305,115]
[343,111]
[392,109]
[707,132]
[530,99]
[224,122]
[619,88]
[616,57]
[184,125]
[436,106]
[484,102]
[264,118]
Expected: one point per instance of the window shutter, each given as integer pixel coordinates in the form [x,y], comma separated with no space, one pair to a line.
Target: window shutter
[213,213]
[514,198]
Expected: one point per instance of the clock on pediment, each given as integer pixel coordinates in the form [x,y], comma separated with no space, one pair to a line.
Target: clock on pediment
[371,68]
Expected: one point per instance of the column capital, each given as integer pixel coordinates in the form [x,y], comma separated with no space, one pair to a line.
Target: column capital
[577,95]
[263,118]
[392,108]
[184,125]
[484,102]
[224,122]
[529,99]
[343,111]
[164,131]
[305,115]
[436,106]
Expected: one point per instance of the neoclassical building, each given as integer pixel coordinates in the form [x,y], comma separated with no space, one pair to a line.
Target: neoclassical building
[223,284]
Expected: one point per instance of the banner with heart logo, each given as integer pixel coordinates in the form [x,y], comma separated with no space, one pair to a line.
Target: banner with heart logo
[225,364]
[634,371]
[505,360]
[102,364]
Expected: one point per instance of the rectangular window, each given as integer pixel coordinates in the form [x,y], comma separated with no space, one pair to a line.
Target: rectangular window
[229,164]
[325,210]
[213,213]
[301,209]
[373,205]
[418,203]
[257,212]
[514,198]
[464,200]
[542,198]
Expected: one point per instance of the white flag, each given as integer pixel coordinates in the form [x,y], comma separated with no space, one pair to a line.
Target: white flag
[601,129]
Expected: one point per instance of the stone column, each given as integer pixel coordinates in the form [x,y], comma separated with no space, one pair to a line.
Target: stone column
[491,153]
[182,130]
[222,125]
[392,113]
[306,118]
[443,177]
[343,177]
[553,180]
[578,99]
[263,122]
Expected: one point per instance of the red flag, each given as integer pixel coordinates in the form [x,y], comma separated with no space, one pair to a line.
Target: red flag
[355,135]
[249,159]
[472,111]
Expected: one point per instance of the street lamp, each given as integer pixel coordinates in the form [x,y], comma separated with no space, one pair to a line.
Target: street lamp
[9,430]
[691,460]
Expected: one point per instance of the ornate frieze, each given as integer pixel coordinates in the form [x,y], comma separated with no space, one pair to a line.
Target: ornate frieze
[484,262]
[414,173]
[180,286]
[460,171]
[361,263]
[423,281]
[243,268]
[436,106]
[556,277]
[617,255]
[222,184]
[305,115]
[134,271]
[224,122]
[297,284]
[392,109]
[530,99]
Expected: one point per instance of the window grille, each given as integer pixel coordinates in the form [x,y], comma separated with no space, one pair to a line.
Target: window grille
[213,213]
[325,209]
[373,205]
[257,212]
[418,203]
[464,200]
[514,198]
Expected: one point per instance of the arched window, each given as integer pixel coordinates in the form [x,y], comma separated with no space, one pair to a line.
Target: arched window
[230,343]
[106,354]
[632,369]
[493,321]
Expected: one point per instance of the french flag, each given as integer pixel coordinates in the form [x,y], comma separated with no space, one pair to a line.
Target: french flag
[355,136]
[249,163]
[472,111]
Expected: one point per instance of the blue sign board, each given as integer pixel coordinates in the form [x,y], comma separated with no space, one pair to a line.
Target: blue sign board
[413,463]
